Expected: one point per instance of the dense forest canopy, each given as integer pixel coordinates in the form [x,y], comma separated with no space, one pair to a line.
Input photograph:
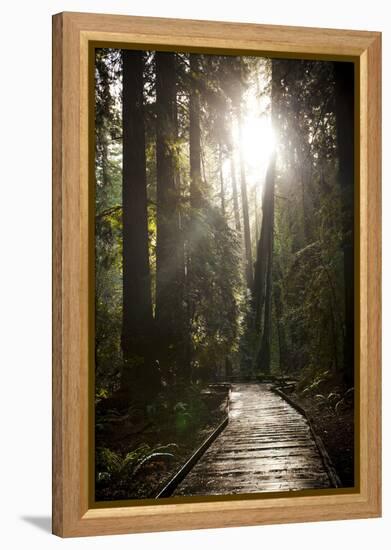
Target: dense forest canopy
[224,246]
[224,218]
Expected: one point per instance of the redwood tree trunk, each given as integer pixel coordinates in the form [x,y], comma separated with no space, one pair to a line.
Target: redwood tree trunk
[344,110]
[195,136]
[222,191]
[235,193]
[263,249]
[169,278]
[263,279]
[137,304]
[264,270]
[246,219]
[196,204]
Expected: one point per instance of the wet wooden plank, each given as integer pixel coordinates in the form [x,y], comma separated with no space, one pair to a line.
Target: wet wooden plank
[266,447]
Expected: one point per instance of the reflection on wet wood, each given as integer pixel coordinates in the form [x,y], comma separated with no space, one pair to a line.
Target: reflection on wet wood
[267,446]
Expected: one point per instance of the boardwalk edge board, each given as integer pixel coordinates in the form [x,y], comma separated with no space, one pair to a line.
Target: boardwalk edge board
[180,475]
[257,452]
[334,478]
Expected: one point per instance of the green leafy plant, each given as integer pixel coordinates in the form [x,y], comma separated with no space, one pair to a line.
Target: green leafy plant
[113,467]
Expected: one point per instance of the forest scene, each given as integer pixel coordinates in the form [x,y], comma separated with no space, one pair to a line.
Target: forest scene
[224,274]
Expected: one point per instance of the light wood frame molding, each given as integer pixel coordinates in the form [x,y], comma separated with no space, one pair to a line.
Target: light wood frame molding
[72,35]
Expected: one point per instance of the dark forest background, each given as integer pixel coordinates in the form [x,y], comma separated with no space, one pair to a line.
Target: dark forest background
[203,273]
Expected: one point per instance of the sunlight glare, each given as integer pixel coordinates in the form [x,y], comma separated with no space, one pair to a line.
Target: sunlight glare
[258,141]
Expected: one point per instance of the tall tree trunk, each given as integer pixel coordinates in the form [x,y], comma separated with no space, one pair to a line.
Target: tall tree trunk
[235,193]
[304,170]
[263,359]
[256,215]
[246,219]
[195,135]
[303,202]
[137,303]
[344,110]
[263,248]
[196,204]
[279,310]
[169,278]
[265,270]
[222,191]
[263,279]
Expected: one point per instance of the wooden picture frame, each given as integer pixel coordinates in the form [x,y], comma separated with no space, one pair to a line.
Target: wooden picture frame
[73,34]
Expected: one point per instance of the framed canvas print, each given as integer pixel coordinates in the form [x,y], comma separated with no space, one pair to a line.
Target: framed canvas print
[216,274]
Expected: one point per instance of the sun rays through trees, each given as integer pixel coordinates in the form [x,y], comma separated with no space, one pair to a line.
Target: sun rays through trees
[223,235]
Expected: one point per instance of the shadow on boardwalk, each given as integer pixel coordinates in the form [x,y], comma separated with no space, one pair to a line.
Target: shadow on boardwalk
[267,446]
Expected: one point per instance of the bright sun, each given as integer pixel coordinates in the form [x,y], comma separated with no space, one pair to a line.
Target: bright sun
[258,141]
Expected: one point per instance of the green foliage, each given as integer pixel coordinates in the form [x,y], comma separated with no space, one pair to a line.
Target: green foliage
[185,415]
[216,319]
[214,291]
[117,470]
[214,331]
[308,224]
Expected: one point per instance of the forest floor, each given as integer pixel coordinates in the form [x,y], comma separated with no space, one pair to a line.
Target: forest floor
[332,417]
[139,451]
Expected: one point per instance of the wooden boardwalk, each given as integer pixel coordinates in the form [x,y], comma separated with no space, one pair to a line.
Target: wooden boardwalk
[267,446]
